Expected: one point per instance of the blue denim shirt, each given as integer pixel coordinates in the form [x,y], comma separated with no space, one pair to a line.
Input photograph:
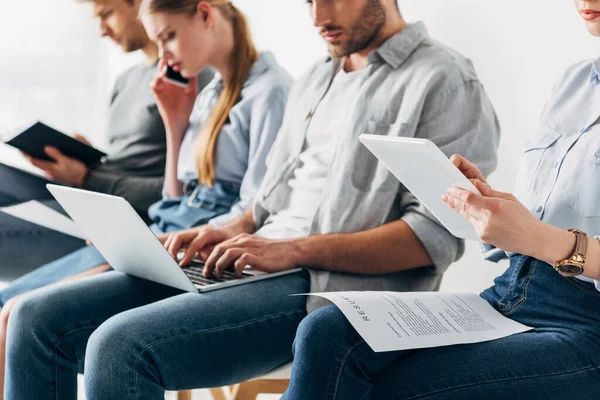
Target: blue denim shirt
[246,138]
[559,175]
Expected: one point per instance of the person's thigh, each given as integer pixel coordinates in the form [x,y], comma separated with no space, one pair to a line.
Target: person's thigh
[551,364]
[49,328]
[70,265]
[18,187]
[197,340]
[25,246]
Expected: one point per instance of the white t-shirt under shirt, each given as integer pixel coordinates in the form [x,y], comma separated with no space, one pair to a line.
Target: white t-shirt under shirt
[308,183]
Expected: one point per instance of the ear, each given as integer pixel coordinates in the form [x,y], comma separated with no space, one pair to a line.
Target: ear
[205,12]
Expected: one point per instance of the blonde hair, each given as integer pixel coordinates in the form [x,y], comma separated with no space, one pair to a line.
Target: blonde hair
[242,59]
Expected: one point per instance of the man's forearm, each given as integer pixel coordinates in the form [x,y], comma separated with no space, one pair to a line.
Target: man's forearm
[386,249]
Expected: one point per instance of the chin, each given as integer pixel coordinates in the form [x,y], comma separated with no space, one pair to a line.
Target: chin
[187,74]
[337,50]
[594,29]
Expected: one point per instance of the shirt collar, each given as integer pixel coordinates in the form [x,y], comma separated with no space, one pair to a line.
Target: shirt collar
[595,76]
[399,47]
[264,61]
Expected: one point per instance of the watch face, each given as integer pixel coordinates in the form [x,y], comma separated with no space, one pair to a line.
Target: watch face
[569,269]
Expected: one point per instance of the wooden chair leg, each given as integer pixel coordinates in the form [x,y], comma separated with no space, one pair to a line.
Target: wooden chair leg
[251,390]
[184,395]
[218,394]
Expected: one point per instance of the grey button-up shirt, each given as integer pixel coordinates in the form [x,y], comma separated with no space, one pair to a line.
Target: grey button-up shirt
[416,87]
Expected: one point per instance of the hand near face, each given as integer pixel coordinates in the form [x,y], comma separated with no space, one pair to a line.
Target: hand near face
[174,103]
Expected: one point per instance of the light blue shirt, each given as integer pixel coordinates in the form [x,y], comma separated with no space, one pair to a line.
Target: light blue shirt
[559,176]
[246,138]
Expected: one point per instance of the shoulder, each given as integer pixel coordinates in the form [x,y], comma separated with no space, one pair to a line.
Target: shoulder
[575,76]
[443,68]
[320,68]
[273,82]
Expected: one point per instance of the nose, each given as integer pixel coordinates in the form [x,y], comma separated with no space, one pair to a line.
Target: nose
[104,30]
[320,13]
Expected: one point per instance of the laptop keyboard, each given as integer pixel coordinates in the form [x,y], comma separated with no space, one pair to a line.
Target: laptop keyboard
[194,272]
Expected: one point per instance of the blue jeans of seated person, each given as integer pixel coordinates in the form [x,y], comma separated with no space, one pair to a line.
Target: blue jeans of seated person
[195,209]
[139,338]
[560,359]
[25,246]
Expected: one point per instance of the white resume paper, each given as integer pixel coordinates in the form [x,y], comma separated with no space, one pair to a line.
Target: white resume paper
[39,214]
[13,158]
[390,321]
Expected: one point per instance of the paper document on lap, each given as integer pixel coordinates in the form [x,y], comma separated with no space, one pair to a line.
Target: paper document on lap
[390,321]
[39,214]
[13,158]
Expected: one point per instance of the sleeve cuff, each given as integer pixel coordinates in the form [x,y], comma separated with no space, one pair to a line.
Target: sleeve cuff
[442,247]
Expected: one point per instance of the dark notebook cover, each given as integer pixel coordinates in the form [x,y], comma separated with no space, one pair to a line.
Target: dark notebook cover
[33,140]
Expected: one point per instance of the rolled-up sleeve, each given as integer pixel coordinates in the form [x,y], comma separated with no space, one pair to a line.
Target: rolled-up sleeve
[267,116]
[459,121]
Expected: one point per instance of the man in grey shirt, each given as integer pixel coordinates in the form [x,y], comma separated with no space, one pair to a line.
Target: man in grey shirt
[326,202]
[135,164]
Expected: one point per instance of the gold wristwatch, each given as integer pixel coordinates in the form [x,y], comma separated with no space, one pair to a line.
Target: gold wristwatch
[574,265]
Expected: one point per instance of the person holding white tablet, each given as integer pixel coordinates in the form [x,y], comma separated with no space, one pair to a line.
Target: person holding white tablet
[550,229]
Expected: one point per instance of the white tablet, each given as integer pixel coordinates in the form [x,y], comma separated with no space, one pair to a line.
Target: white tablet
[424,170]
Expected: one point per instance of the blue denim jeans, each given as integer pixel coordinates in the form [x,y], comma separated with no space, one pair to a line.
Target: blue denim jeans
[25,246]
[560,359]
[194,209]
[137,338]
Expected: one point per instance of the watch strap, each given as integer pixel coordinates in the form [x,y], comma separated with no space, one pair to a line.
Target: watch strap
[581,245]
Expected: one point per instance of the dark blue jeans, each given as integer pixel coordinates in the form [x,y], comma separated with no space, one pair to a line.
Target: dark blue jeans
[25,246]
[560,359]
[139,338]
[194,209]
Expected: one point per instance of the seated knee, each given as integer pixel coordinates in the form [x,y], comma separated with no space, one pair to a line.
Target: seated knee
[5,313]
[320,328]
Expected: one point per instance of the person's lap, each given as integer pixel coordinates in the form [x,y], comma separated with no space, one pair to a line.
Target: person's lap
[560,357]
[147,332]
[550,364]
[78,261]
[24,246]
[17,187]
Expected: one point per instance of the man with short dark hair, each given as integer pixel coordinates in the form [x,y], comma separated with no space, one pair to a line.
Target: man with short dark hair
[137,152]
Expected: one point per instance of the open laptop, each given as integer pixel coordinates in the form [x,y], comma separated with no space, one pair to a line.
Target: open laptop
[427,173]
[129,246]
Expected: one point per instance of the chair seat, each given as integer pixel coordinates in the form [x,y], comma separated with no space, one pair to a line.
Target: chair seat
[284,372]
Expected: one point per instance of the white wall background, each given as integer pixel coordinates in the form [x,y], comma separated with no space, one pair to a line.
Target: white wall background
[52,65]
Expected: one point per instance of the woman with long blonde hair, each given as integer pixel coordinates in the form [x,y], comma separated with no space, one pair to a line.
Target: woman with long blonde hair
[217,145]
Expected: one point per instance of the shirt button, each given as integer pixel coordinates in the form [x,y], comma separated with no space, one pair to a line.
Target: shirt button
[264,197]
[291,160]
[539,209]
[309,114]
